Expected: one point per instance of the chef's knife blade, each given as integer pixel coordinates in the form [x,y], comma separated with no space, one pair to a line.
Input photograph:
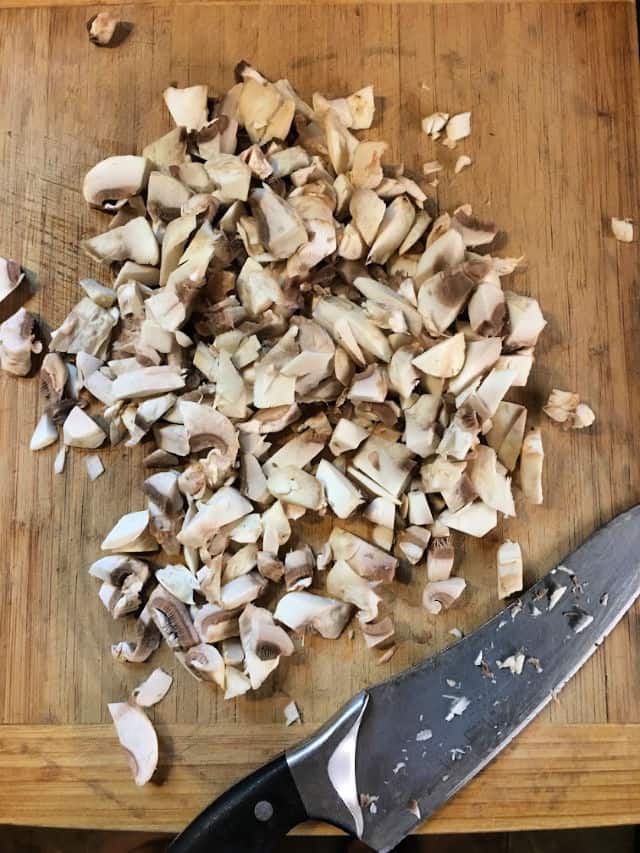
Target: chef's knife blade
[401,749]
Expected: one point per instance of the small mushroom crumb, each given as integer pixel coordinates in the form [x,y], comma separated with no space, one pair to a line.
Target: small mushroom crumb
[459,705]
[368,801]
[462,162]
[399,766]
[622,229]
[94,466]
[102,28]
[478,659]
[555,593]
[565,408]
[578,619]
[58,462]
[604,599]
[514,663]
[457,633]
[414,808]
[423,735]
[291,714]
[535,663]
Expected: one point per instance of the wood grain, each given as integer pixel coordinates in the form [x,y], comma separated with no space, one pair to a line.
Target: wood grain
[554,94]
[551,776]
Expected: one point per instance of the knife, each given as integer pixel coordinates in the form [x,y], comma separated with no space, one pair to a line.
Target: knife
[398,751]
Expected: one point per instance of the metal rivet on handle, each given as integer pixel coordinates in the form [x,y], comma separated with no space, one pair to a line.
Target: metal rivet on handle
[263,811]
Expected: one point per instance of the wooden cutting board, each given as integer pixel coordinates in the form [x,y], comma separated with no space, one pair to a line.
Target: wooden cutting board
[553,88]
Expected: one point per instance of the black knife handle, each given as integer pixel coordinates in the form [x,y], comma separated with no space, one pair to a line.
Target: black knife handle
[251,817]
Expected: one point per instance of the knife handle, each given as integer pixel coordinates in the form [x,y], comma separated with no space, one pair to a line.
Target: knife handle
[250,817]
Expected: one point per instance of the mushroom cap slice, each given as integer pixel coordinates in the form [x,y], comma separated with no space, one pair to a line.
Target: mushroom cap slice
[137,735]
[440,595]
[153,689]
[293,485]
[342,496]
[263,642]
[205,663]
[327,616]
[345,584]
[115,179]
[368,561]
[225,506]
[476,519]
[188,107]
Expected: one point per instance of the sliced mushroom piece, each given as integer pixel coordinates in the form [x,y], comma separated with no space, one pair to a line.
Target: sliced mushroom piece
[103,296]
[351,247]
[458,127]
[433,124]
[263,642]
[276,527]
[387,463]
[507,433]
[367,211]
[342,496]
[473,231]
[292,485]
[368,561]
[242,590]
[17,343]
[346,585]
[102,28]
[301,610]
[520,362]
[342,318]
[130,534]
[147,382]
[11,276]
[419,511]
[172,619]
[153,689]
[115,179]
[45,433]
[59,461]
[209,577]
[369,386]
[80,430]
[480,357]
[443,296]
[417,230]
[412,542]
[487,309]
[347,435]
[133,241]
[444,359]
[420,435]
[205,663]
[381,512]
[298,451]
[169,150]
[509,561]
[445,251]
[271,420]
[270,567]
[213,623]
[475,519]
[138,737]
[525,321]
[237,683]
[531,462]
[492,389]
[242,562]
[298,569]
[225,506]
[188,107]
[491,485]
[384,294]
[87,328]
[379,633]
[179,581]
[440,558]
[366,169]
[341,144]
[440,595]
[396,224]
[283,229]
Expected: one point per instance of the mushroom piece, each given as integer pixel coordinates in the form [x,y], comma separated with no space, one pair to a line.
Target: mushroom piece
[87,328]
[205,663]
[153,689]
[509,561]
[208,428]
[385,295]
[283,229]
[292,485]
[45,433]
[433,124]
[213,623]
[94,466]
[17,342]
[381,512]
[473,231]
[80,430]
[443,296]
[520,362]
[263,642]
[565,408]
[387,463]
[419,511]
[622,229]
[241,563]
[111,182]
[237,683]
[242,590]
[379,633]
[492,486]
[340,144]
[179,581]
[475,519]
[420,435]
[444,359]
[301,610]
[342,496]
[225,506]
[277,529]
[412,543]
[440,595]
[344,584]
[347,435]
[103,296]
[480,356]
[366,170]
[130,534]
[367,210]
[369,386]
[147,382]
[531,462]
[369,562]
[11,276]
[507,433]
[487,309]
[172,619]
[458,127]
[350,327]
[138,737]
[525,321]
[188,107]
[440,558]
[59,461]
[396,224]
[133,241]
[298,569]
[231,175]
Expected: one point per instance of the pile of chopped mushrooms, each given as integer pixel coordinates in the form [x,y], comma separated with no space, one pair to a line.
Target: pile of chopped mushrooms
[291,328]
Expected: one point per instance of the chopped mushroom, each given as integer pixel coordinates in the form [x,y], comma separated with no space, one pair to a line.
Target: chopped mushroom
[138,737]
[263,642]
[300,610]
[153,689]
[622,229]
[17,342]
[440,595]
[509,569]
[102,28]
[45,433]
[531,461]
[11,276]
[565,408]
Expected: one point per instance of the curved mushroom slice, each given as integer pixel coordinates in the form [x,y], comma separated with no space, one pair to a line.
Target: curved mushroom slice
[531,462]
[172,619]
[381,512]
[17,342]
[45,433]
[103,296]
[507,432]
[509,562]
[492,486]
[258,288]
[351,247]
[343,583]
[480,356]
[368,561]
[263,642]
[471,229]
[148,640]
[420,435]
[115,180]
[213,623]
[237,683]
[341,145]
[396,224]
[130,534]
[378,634]
[242,590]
[225,506]
[300,610]
[276,527]
[205,663]
[487,308]
[169,150]
[208,428]
[147,382]
[298,569]
[138,737]
[188,107]
[153,689]
[133,241]
[292,485]
[444,252]
[11,276]
[440,595]
[417,230]
[179,581]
